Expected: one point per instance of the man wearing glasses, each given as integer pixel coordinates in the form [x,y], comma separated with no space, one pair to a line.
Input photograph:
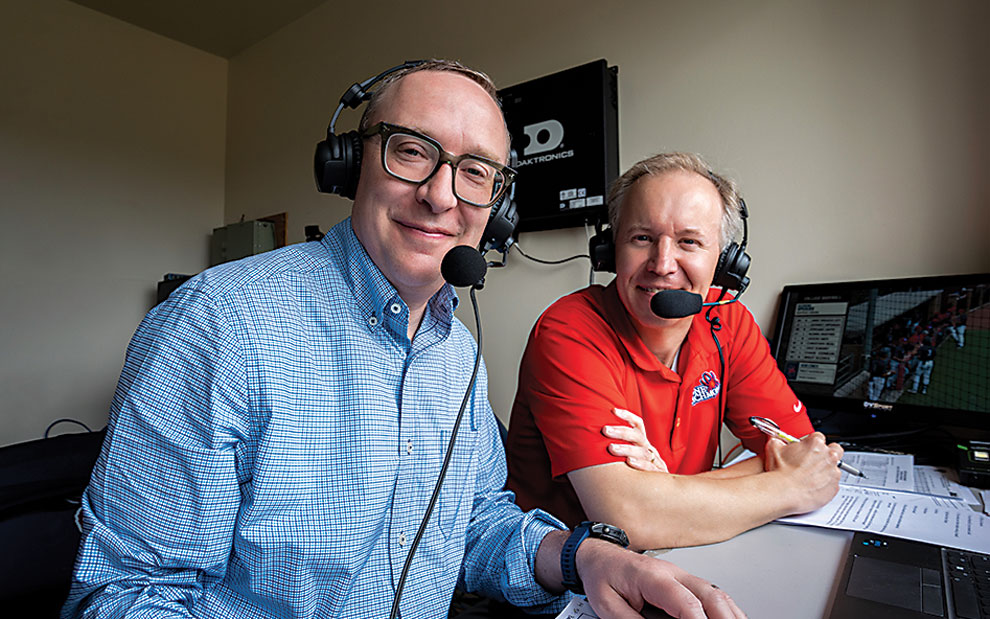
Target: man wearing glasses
[280,421]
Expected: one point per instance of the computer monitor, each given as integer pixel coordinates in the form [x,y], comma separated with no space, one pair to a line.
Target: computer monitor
[887,356]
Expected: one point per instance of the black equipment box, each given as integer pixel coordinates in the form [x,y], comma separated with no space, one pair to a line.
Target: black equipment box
[974,464]
[565,136]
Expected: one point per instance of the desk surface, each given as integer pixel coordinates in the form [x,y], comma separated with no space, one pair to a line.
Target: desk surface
[776,570]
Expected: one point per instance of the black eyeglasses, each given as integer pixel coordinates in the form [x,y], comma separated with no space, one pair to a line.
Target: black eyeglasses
[413,157]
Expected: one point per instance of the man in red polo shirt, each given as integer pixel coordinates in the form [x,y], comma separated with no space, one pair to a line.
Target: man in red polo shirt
[617,413]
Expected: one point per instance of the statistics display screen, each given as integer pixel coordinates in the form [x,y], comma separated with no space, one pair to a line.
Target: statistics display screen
[917,347]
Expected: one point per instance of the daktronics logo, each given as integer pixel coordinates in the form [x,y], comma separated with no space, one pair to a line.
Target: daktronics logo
[543,137]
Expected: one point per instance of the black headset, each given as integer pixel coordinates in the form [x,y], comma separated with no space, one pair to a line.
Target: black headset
[733,262]
[337,165]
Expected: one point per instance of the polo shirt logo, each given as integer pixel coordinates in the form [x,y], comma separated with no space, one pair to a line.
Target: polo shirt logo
[706,389]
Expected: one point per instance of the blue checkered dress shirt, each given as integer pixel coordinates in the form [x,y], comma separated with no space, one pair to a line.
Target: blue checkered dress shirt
[272,446]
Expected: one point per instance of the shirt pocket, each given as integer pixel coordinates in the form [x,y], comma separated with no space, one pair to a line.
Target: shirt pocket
[457,492]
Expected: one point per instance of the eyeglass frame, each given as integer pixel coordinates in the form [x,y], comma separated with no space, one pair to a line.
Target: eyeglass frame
[386,130]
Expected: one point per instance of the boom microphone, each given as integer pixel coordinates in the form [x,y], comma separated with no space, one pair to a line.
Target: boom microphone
[464,266]
[680,303]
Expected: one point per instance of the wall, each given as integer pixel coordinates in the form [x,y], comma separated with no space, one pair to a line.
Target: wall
[857,131]
[111,174]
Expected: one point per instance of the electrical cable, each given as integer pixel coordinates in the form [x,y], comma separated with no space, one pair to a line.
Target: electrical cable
[551,262]
[716,326]
[65,420]
[443,470]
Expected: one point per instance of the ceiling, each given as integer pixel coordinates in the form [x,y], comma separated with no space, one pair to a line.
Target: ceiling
[221,27]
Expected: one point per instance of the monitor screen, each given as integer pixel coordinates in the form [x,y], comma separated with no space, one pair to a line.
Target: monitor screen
[884,355]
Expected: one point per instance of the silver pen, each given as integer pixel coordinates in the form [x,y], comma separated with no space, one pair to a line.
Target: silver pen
[770,428]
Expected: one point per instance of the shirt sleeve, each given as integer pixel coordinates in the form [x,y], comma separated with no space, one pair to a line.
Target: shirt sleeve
[571,383]
[158,514]
[502,540]
[757,387]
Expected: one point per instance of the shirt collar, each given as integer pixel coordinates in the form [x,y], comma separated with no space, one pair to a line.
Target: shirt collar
[618,317]
[643,357]
[374,296]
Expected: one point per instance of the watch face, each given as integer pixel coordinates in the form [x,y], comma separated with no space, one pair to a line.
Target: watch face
[610,533]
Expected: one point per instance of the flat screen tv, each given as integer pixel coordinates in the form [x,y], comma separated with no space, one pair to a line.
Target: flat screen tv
[888,356]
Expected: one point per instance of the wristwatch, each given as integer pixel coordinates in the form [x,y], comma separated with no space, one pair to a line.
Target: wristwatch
[568,555]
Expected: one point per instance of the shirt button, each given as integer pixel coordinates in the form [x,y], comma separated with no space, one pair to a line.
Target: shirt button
[373,320]
[396,308]
[409,446]
[402,539]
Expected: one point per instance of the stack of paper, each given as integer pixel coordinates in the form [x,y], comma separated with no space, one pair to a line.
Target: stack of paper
[899,499]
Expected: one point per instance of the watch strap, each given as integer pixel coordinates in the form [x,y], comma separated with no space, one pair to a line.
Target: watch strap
[568,554]
[568,558]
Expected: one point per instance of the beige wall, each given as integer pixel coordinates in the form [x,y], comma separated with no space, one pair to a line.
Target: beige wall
[857,130]
[111,174]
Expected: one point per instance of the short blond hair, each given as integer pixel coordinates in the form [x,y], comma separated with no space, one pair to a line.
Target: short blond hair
[732,222]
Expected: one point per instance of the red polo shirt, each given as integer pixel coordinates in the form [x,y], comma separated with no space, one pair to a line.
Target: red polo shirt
[584,358]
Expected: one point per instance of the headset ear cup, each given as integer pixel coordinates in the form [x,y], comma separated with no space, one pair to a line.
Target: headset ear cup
[723,259]
[720,278]
[733,263]
[601,248]
[501,228]
[337,164]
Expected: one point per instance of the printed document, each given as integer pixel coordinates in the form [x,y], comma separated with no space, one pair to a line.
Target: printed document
[579,608]
[894,472]
[917,517]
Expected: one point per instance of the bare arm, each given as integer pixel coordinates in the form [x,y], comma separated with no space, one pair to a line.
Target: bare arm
[641,455]
[661,510]
[619,583]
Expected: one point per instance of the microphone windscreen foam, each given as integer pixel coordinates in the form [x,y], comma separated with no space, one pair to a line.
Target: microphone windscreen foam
[463,266]
[675,303]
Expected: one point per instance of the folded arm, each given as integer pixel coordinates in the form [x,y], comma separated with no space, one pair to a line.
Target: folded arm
[661,510]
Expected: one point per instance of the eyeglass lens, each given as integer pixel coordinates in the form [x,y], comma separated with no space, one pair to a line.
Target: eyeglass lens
[415,160]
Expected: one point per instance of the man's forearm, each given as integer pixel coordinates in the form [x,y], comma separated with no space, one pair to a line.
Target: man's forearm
[750,466]
[548,573]
[659,510]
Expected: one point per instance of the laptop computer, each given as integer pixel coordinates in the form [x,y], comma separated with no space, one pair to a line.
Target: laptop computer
[886,577]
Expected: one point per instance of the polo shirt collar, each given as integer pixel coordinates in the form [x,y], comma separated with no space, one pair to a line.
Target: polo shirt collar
[618,317]
[641,355]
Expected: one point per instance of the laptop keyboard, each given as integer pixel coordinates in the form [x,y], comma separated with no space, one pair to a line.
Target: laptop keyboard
[969,578]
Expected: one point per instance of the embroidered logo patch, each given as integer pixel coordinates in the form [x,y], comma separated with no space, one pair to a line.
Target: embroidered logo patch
[706,389]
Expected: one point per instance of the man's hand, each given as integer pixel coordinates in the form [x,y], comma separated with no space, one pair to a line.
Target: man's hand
[811,467]
[620,583]
[636,449]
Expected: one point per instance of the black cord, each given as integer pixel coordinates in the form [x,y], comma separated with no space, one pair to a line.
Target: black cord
[562,261]
[65,420]
[443,469]
[716,326]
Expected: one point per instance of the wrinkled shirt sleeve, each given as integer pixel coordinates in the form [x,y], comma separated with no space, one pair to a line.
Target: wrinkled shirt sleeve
[158,515]
[502,540]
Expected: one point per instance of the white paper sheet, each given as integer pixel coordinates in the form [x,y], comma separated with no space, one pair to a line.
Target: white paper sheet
[941,481]
[894,472]
[578,608]
[910,516]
